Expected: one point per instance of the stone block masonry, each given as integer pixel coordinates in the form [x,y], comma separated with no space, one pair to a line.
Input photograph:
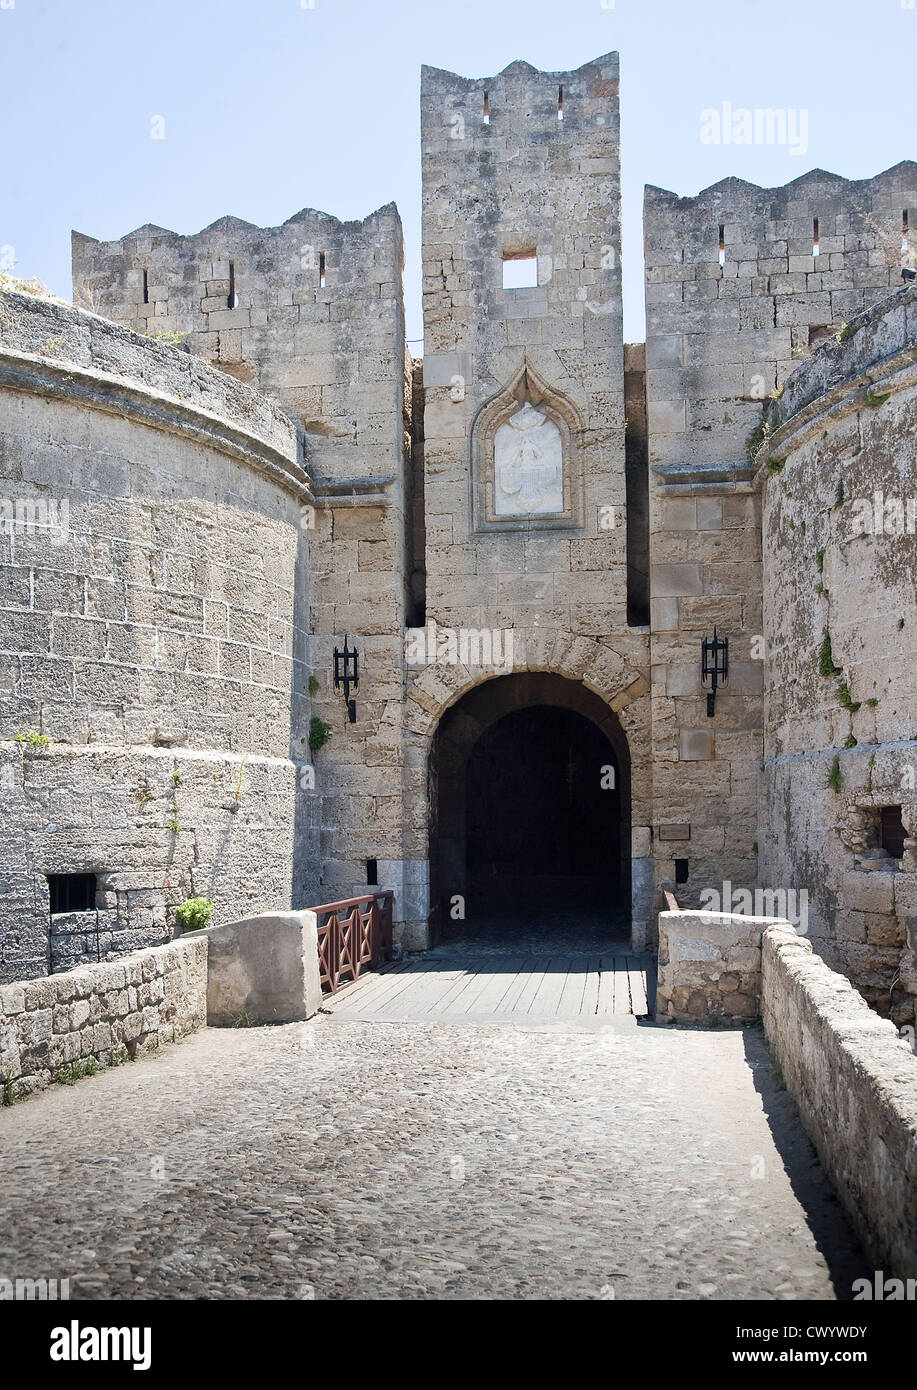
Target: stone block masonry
[709,967]
[51,1029]
[855,1082]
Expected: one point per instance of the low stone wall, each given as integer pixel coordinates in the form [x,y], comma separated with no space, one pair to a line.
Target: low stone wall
[51,1029]
[855,1082]
[709,966]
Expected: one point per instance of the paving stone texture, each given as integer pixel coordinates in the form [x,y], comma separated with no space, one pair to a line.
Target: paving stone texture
[351,1160]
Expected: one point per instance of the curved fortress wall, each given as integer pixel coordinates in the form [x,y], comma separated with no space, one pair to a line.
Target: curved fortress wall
[154,573]
[737,288]
[311,313]
[839,806]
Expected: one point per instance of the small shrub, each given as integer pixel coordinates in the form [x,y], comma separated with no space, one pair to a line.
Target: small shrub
[193,914]
[845,334]
[876,400]
[33,738]
[820,560]
[776,465]
[319,733]
[313,685]
[843,694]
[850,741]
[872,702]
[826,666]
[835,776]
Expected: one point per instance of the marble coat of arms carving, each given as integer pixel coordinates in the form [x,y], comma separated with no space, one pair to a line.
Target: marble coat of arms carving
[528,465]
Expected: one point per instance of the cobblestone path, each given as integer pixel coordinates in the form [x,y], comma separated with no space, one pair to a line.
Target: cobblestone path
[349,1159]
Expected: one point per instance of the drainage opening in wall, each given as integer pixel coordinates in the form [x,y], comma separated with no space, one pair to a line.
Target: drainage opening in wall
[72,892]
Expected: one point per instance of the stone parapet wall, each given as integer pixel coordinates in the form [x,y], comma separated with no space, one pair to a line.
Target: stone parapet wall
[855,1082]
[53,1029]
[709,967]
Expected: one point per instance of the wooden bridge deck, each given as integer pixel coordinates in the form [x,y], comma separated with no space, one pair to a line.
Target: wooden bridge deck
[586,987]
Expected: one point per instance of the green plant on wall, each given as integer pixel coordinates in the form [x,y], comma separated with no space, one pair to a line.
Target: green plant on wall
[313,685]
[826,666]
[843,694]
[193,914]
[33,738]
[319,733]
[835,776]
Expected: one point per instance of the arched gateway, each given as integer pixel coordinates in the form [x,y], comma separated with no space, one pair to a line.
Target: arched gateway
[529,812]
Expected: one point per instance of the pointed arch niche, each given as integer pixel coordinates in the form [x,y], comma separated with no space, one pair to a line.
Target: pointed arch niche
[527,459]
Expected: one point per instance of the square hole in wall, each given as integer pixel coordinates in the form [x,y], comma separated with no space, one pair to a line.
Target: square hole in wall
[891,831]
[520,272]
[72,892]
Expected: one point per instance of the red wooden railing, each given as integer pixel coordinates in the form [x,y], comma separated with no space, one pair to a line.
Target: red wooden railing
[353,936]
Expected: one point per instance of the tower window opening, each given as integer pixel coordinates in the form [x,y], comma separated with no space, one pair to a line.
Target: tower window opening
[372,873]
[722,244]
[905,244]
[815,236]
[520,270]
[232,299]
[146,287]
[486,109]
[321,270]
[681,870]
[560,103]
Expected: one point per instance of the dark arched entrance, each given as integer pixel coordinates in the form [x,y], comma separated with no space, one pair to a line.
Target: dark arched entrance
[530,819]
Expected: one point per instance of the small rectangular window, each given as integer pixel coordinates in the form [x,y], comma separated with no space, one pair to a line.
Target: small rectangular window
[722,244]
[905,245]
[681,870]
[321,270]
[560,103]
[815,236]
[232,300]
[372,872]
[891,831]
[486,110]
[146,287]
[520,272]
[72,892]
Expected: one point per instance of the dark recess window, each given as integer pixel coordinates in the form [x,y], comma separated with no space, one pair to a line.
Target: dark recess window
[72,892]
[372,872]
[891,831]
[681,870]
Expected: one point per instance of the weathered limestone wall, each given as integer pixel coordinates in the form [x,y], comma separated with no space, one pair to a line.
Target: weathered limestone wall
[545,558]
[709,966]
[836,472]
[318,325]
[720,337]
[855,1083]
[154,587]
[105,1014]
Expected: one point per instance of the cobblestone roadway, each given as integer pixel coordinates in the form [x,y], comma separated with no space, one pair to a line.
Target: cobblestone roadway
[362,1160]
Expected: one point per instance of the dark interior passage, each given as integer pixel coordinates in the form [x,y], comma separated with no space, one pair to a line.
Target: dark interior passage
[543,798]
[530,823]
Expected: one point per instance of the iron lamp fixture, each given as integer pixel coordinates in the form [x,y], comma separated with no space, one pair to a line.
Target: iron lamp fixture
[714,666]
[347,674]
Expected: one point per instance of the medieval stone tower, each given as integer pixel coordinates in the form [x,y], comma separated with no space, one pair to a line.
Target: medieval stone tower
[526,537]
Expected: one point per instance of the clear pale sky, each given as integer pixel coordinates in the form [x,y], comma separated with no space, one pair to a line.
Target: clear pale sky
[270,107]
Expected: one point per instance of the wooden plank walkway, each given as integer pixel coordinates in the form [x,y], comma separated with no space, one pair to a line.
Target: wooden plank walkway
[464,986]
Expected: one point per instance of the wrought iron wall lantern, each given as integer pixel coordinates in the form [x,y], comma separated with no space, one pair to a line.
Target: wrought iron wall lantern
[347,674]
[714,666]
